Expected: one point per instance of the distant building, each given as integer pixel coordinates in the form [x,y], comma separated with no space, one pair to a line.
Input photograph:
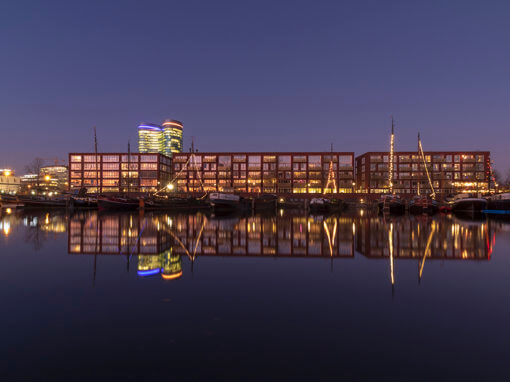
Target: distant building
[119,172]
[9,183]
[166,139]
[450,172]
[265,172]
[54,178]
[150,138]
[172,133]
[29,183]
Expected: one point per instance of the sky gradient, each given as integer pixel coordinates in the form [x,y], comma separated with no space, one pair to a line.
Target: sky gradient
[254,75]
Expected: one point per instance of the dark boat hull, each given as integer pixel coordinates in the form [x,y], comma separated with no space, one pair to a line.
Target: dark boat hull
[83,202]
[418,208]
[117,204]
[44,203]
[396,208]
[498,206]
[469,205]
[175,204]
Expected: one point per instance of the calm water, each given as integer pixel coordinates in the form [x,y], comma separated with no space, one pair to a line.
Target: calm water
[287,297]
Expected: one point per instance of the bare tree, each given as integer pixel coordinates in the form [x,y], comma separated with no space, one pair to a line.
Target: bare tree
[34,167]
[507,180]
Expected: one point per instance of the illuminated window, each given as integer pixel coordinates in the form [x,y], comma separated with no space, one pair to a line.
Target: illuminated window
[110,158]
[132,158]
[224,162]
[110,174]
[91,158]
[148,182]
[132,166]
[284,162]
[75,158]
[148,166]
[110,182]
[110,166]
[346,160]
[148,158]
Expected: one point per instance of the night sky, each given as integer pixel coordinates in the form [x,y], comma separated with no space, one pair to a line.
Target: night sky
[254,75]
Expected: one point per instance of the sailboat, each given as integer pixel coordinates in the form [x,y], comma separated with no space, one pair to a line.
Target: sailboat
[391,203]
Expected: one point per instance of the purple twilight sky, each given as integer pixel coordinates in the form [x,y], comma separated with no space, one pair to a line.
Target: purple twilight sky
[254,75]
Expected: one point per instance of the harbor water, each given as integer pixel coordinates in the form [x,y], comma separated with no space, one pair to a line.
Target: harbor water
[286,296]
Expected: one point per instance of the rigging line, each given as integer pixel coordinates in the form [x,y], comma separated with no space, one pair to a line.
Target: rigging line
[433,195]
[198,237]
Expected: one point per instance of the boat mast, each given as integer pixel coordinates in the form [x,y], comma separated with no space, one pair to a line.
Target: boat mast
[391,159]
[419,179]
[97,167]
[129,168]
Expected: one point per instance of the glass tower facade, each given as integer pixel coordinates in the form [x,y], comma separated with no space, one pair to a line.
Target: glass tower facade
[150,138]
[172,133]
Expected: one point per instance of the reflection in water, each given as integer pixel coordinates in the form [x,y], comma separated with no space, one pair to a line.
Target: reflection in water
[441,237]
[38,225]
[166,263]
[161,240]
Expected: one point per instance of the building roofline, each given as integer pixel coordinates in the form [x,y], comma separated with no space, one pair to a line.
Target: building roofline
[425,152]
[269,153]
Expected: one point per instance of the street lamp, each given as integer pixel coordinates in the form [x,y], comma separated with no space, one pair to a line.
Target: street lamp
[170,186]
[47,178]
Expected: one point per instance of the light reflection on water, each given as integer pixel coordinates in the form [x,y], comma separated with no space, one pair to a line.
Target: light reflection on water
[158,241]
[286,296]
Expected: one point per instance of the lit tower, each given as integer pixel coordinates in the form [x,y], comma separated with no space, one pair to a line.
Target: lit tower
[150,138]
[172,133]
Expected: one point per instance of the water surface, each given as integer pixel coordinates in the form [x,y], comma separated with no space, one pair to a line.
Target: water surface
[136,296]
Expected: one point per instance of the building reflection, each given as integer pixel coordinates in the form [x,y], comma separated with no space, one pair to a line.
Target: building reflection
[443,237]
[161,241]
[168,264]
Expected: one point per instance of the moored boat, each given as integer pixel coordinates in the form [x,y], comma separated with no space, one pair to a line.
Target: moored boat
[10,201]
[423,205]
[265,202]
[43,201]
[170,203]
[326,205]
[392,204]
[224,201]
[79,199]
[117,202]
[498,204]
[466,203]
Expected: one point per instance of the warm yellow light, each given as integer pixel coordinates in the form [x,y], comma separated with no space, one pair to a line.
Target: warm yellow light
[7,228]
[8,211]
[170,186]
[47,178]
[7,172]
